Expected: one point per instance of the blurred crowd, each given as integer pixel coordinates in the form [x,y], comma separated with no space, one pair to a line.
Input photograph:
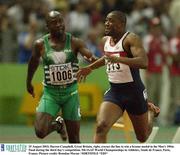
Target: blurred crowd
[156,21]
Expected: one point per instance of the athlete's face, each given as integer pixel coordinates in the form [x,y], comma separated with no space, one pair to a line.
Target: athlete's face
[56,24]
[112,25]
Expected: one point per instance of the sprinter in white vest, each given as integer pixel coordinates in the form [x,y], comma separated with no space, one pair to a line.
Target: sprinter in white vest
[124,56]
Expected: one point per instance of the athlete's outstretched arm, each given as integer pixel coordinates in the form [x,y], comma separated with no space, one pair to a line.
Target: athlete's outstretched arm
[132,44]
[81,48]
[85,71]
[33,65]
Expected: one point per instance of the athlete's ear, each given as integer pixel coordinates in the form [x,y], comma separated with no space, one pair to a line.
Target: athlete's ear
[119,26]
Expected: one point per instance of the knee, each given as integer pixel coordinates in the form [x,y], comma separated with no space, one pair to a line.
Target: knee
[142,138]
[40,133]
[143,135]
[102,128]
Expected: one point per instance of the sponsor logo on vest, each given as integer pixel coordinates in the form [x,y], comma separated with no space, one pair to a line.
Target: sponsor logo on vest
[67,50]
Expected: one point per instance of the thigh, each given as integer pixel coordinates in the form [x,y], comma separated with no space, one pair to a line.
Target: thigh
[43,120]
[48,104]
[71,107]
[109,113]
[137,101]
[115,97]
[140,123]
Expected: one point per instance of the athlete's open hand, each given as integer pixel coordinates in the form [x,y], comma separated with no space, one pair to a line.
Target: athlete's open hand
[30,89]
[83,73]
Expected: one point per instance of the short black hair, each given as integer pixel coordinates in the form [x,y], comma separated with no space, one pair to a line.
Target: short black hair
[121,16]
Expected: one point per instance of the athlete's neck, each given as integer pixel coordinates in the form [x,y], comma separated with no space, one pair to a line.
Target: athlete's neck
[57,38]
[117,37]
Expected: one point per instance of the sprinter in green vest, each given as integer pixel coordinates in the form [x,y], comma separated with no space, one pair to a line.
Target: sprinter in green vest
[58,50]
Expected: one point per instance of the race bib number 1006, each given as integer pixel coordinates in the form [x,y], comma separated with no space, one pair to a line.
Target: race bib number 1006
[61,74]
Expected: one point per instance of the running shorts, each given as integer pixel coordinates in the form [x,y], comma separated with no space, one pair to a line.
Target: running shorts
[66,100]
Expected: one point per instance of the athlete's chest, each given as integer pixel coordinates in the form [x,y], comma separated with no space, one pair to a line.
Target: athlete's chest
[115,49]
[58,54]
[57,46]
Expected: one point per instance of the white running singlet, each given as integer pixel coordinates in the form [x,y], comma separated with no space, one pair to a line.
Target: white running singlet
[117,72]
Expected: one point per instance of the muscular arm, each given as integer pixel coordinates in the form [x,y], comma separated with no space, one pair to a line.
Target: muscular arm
[97,64]
[100,62]
[33,65]
[133,44]
[139,59]
[81,48]
[83,72]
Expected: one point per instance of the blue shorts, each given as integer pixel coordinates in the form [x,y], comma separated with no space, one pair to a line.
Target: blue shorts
[129,97]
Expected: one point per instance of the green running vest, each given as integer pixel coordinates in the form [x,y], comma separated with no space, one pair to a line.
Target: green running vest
[60,67]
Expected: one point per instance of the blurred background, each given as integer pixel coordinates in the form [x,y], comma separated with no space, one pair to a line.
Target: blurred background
[157,22]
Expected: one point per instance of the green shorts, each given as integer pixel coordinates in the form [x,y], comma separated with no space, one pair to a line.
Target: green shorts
[55,98]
